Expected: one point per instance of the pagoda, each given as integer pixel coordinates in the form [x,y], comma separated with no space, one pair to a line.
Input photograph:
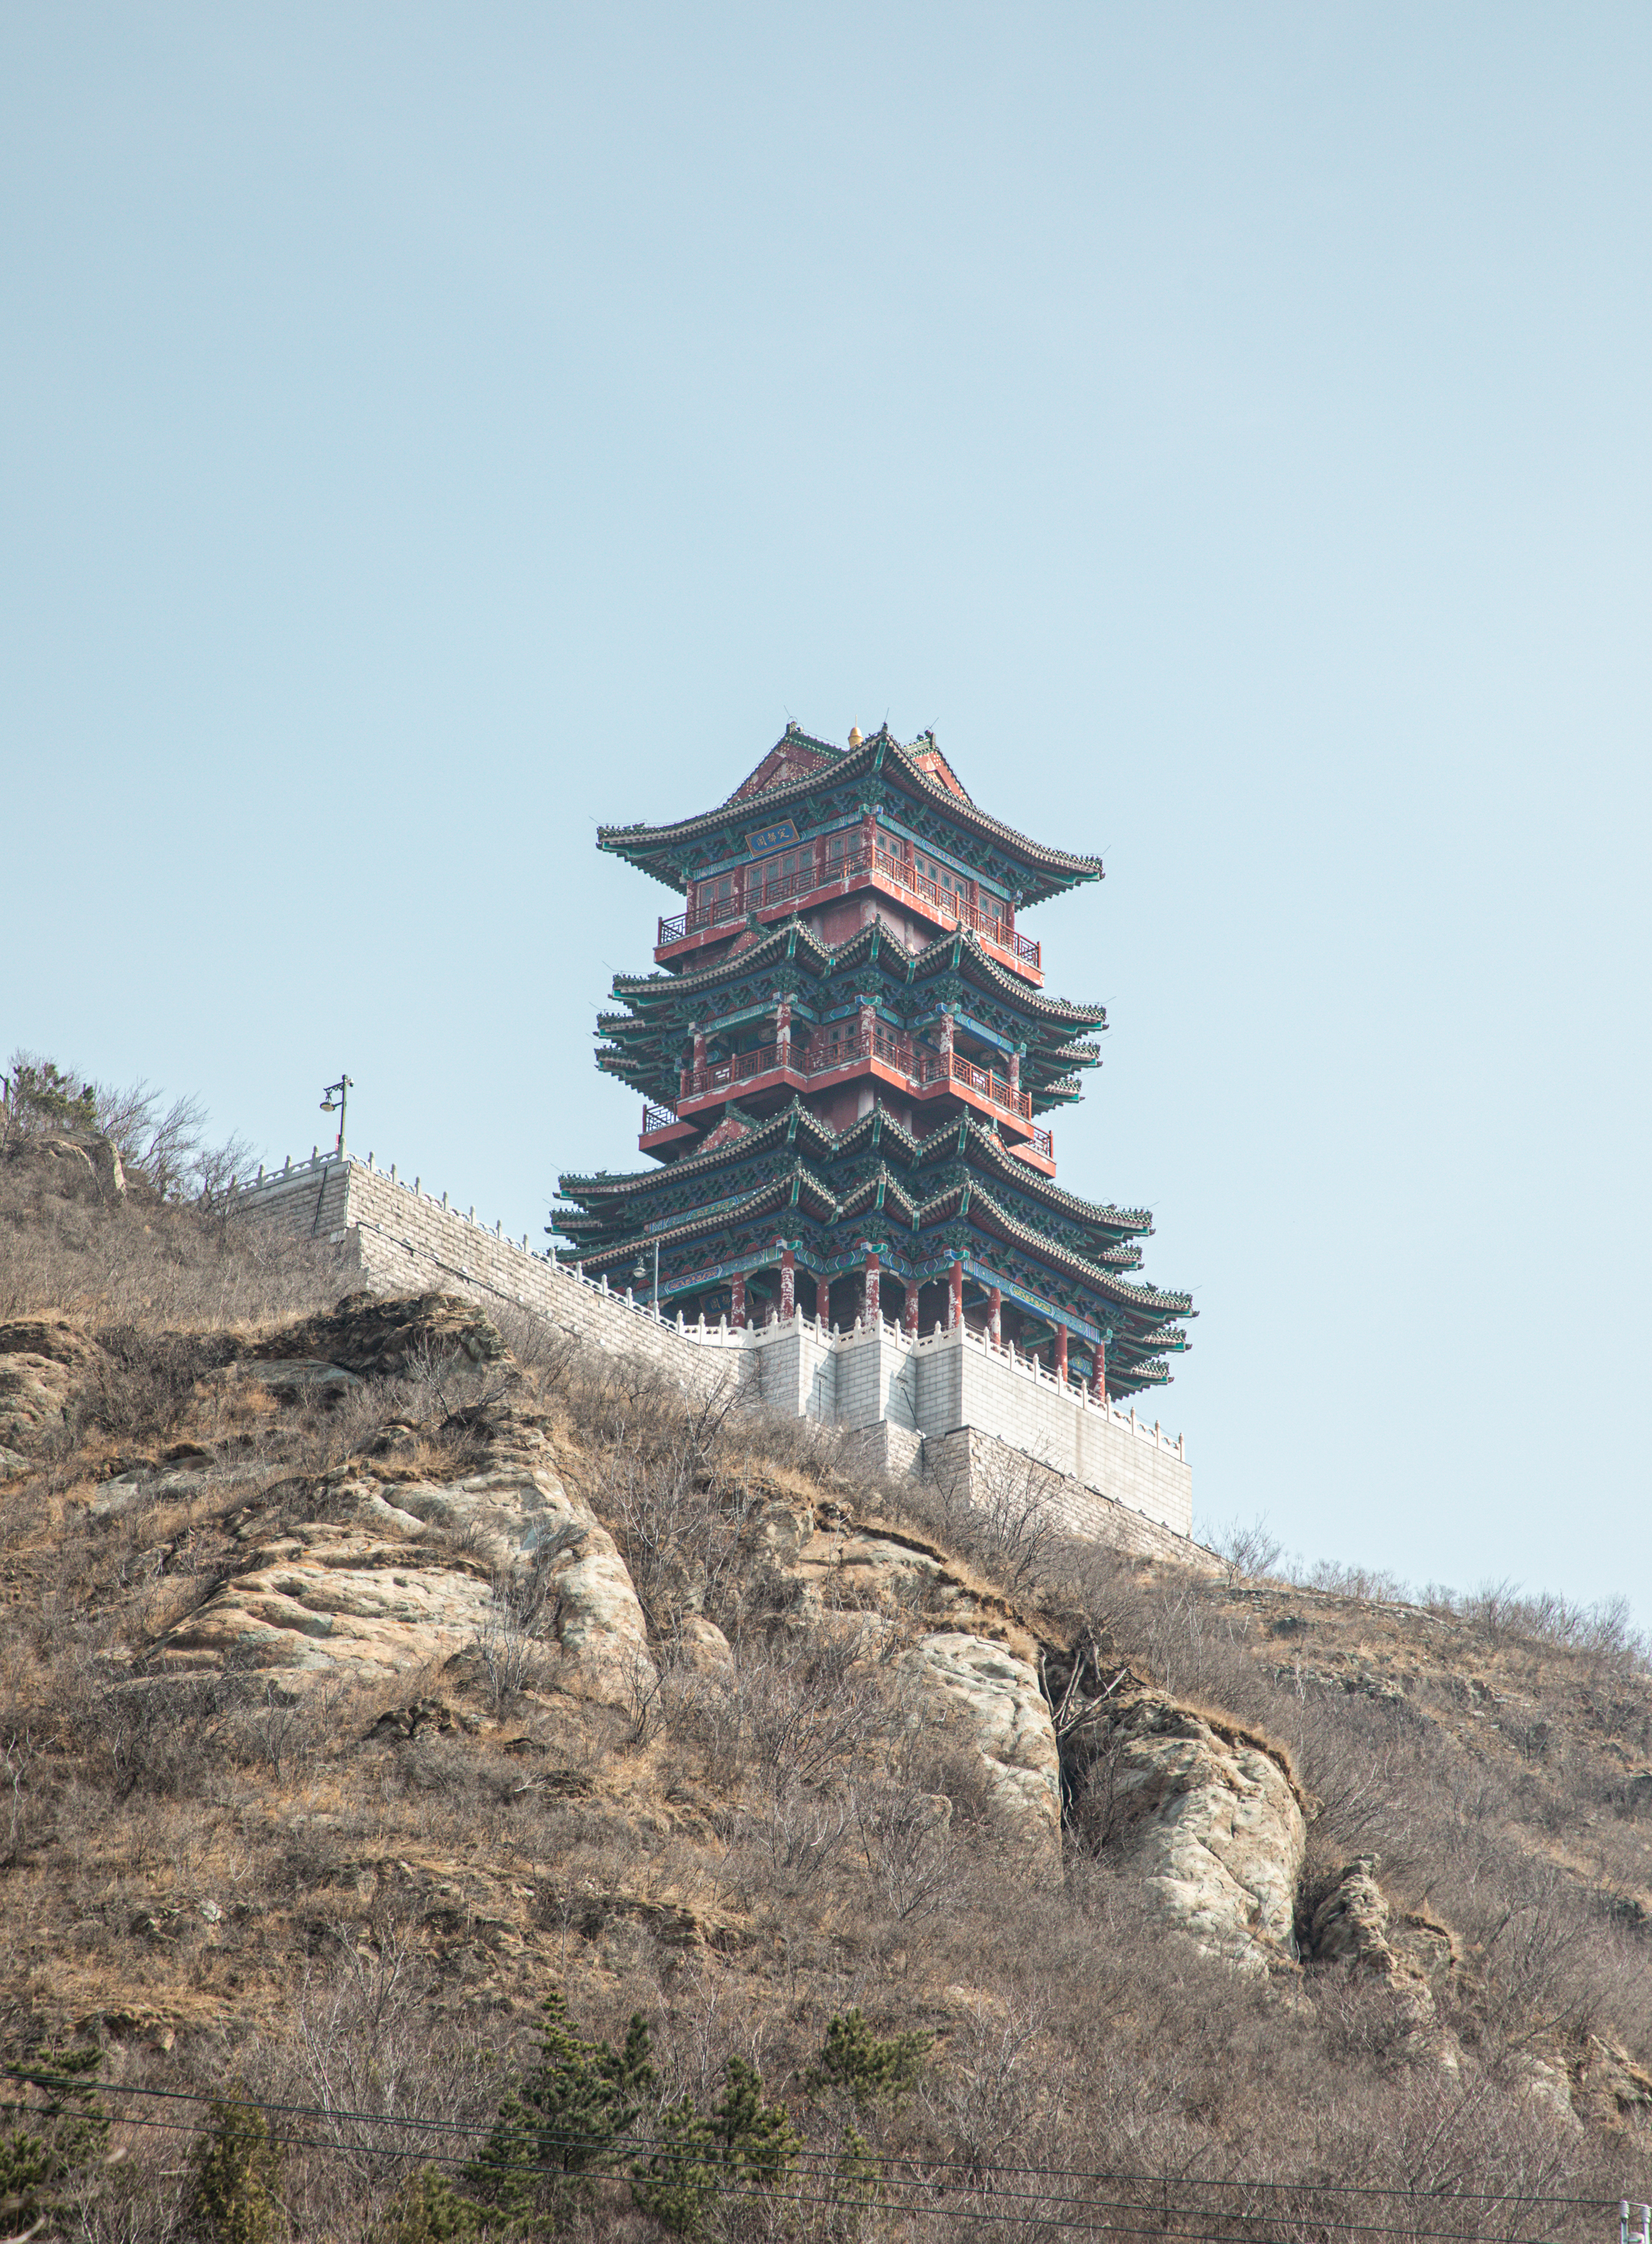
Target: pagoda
[849,1061]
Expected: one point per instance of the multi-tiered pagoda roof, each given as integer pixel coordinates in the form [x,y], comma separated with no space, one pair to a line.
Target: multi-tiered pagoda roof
[845,1046]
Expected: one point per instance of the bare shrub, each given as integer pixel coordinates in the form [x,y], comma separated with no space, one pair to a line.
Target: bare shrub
[153,1737]
[279,1729]
[142,1261]
[508,1644]
[139,1384]
[995,1507]
[906,1843]
[797,1715]
[163,1145]
[1246,1548]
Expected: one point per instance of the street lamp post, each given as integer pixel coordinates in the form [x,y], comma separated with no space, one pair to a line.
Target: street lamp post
[639,1271]
[333,1102]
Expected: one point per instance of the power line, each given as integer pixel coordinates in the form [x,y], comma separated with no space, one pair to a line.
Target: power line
[1159,2215]
[43,2077]
[853,2190]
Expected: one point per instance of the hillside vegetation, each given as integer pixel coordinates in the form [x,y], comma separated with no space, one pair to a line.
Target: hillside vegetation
[454,1786]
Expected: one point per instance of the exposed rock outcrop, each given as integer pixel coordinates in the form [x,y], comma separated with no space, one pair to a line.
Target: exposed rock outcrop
[376,1338]
[991,1702]
[1351,1925]
[40,1361]
[399,1576]
[84,1164]
[1354,1924]
[802,1561]
[1211,1819]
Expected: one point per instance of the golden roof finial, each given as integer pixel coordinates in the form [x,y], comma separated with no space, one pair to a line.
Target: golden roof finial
[855,736]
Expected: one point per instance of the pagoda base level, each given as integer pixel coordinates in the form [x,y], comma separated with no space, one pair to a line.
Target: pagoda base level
[948,1383]
[990,1428]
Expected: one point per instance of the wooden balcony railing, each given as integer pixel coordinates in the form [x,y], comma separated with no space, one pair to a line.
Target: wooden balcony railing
[937,902]
[917,1063]
[722,1074]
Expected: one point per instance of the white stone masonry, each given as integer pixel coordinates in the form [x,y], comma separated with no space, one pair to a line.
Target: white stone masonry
[945,1401]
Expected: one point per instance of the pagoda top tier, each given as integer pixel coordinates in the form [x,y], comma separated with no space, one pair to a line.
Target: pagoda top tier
[805,787]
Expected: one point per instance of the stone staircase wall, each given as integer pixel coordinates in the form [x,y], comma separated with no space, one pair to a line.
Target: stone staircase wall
[944,1403]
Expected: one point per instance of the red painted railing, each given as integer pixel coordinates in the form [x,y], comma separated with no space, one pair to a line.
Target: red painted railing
[823,1053]
[941,903]
[722,1074]
[657,1118]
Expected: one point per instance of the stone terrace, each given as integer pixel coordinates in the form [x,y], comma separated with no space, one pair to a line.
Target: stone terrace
[945,1402]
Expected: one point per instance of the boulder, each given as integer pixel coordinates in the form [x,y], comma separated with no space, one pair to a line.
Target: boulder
[82,1164]
[1354,1925]
[701,1644]
[1212,1821]
[1351,1925]
[40,1360]
[805,1564]
[401,1575]
[379,1338]
[991,1702]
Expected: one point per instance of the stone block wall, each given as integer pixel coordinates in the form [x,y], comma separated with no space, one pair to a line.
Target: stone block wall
[990,1474]
[405,1240]
[948,1403]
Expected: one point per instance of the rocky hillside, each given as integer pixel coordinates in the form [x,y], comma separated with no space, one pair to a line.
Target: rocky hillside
[374,1674]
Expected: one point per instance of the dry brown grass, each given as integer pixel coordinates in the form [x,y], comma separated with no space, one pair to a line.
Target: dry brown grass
[359,1896]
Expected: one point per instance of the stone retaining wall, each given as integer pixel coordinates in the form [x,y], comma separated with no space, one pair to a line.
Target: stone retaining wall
[947,1403]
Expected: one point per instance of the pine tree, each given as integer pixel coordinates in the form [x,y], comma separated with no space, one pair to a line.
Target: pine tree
[853,2059]
[567,2121]
[236,2170]
[63,2135]
[43,1098]
[427,2209]
[742,2143]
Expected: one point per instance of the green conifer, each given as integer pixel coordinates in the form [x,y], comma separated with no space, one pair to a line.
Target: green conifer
[741,2143]
[567,2120]
[237,2168]
[427,2209]
[60,2136]
[853,2059]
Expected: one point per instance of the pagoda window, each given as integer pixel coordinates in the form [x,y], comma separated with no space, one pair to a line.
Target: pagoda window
[718,899]
[788,876]
[841,846]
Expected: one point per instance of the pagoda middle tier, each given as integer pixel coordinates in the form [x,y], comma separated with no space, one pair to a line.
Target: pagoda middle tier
[845,1048]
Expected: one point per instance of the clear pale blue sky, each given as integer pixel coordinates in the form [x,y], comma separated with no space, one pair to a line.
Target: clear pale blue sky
[427,431]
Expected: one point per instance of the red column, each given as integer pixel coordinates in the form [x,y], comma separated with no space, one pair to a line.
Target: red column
[699,1054]
[783,1032]
[869,835]
[1098,1385]
[1061,1354]
[872,1315]
[912,1307]
[788,1285]
[823,1299]
[736,1317]
[996,1317]
[955,1297]
[1014,1072]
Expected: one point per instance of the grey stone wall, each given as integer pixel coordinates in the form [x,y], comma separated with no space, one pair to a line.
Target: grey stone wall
[401,1239]
[947,1403]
